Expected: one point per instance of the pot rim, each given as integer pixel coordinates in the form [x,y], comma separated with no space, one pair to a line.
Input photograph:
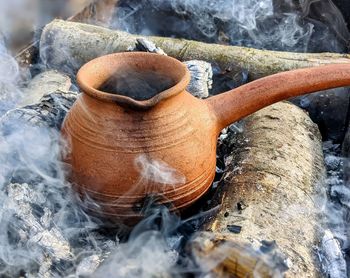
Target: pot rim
[179,73]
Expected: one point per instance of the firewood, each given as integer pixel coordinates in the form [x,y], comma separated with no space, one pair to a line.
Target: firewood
[44,83]
[48,112]
[222,256]
[273,180]
[68,45]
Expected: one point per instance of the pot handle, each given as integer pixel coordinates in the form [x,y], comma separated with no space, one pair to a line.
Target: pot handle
[235,104]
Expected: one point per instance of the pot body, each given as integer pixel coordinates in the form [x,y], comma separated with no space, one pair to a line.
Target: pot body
[126,150]
[121,157]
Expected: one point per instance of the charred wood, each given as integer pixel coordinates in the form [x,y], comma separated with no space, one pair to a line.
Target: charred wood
[272,186]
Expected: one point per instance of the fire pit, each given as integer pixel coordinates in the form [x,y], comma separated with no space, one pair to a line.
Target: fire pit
[266,196]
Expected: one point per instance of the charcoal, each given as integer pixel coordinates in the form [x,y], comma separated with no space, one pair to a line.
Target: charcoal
[51,241]
[322,106]
[41,233]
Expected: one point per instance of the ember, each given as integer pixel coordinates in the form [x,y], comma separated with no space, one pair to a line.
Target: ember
[279,202]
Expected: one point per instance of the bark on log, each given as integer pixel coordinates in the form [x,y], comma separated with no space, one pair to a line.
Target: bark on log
[68,45]
[43,84]
[48,112]
[273,179]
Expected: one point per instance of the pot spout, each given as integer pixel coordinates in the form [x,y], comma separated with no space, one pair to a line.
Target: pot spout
[234,105]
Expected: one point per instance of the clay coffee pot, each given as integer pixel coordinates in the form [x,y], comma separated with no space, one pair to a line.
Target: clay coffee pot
[135,132]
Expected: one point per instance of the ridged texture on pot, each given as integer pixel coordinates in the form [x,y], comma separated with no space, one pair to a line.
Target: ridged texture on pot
[109,142]
[125,151]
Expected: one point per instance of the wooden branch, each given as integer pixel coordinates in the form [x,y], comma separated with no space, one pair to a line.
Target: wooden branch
[271,186]
[69,45]
[42,84]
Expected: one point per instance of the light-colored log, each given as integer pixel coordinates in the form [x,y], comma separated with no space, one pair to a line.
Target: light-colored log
[68,45]
[272,187]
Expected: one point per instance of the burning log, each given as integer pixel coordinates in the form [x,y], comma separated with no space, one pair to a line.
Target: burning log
[270,188]
[68,45]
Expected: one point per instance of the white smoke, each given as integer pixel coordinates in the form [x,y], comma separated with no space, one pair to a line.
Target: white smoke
[38,208]
[154,170]
[277,25]
[147,255]
[43,231]
[9,77]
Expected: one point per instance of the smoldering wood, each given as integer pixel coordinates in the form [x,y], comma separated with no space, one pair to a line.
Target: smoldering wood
[329,109]
[34,231]
[221,256]
[201,78]
[333,260]
[38,230]
[68,45]
[201,72]
[272,185]
[44,83]
[40,233]
[97,11]
[49,112]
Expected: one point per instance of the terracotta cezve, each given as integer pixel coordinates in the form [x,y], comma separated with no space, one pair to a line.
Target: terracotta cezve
[108,132]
